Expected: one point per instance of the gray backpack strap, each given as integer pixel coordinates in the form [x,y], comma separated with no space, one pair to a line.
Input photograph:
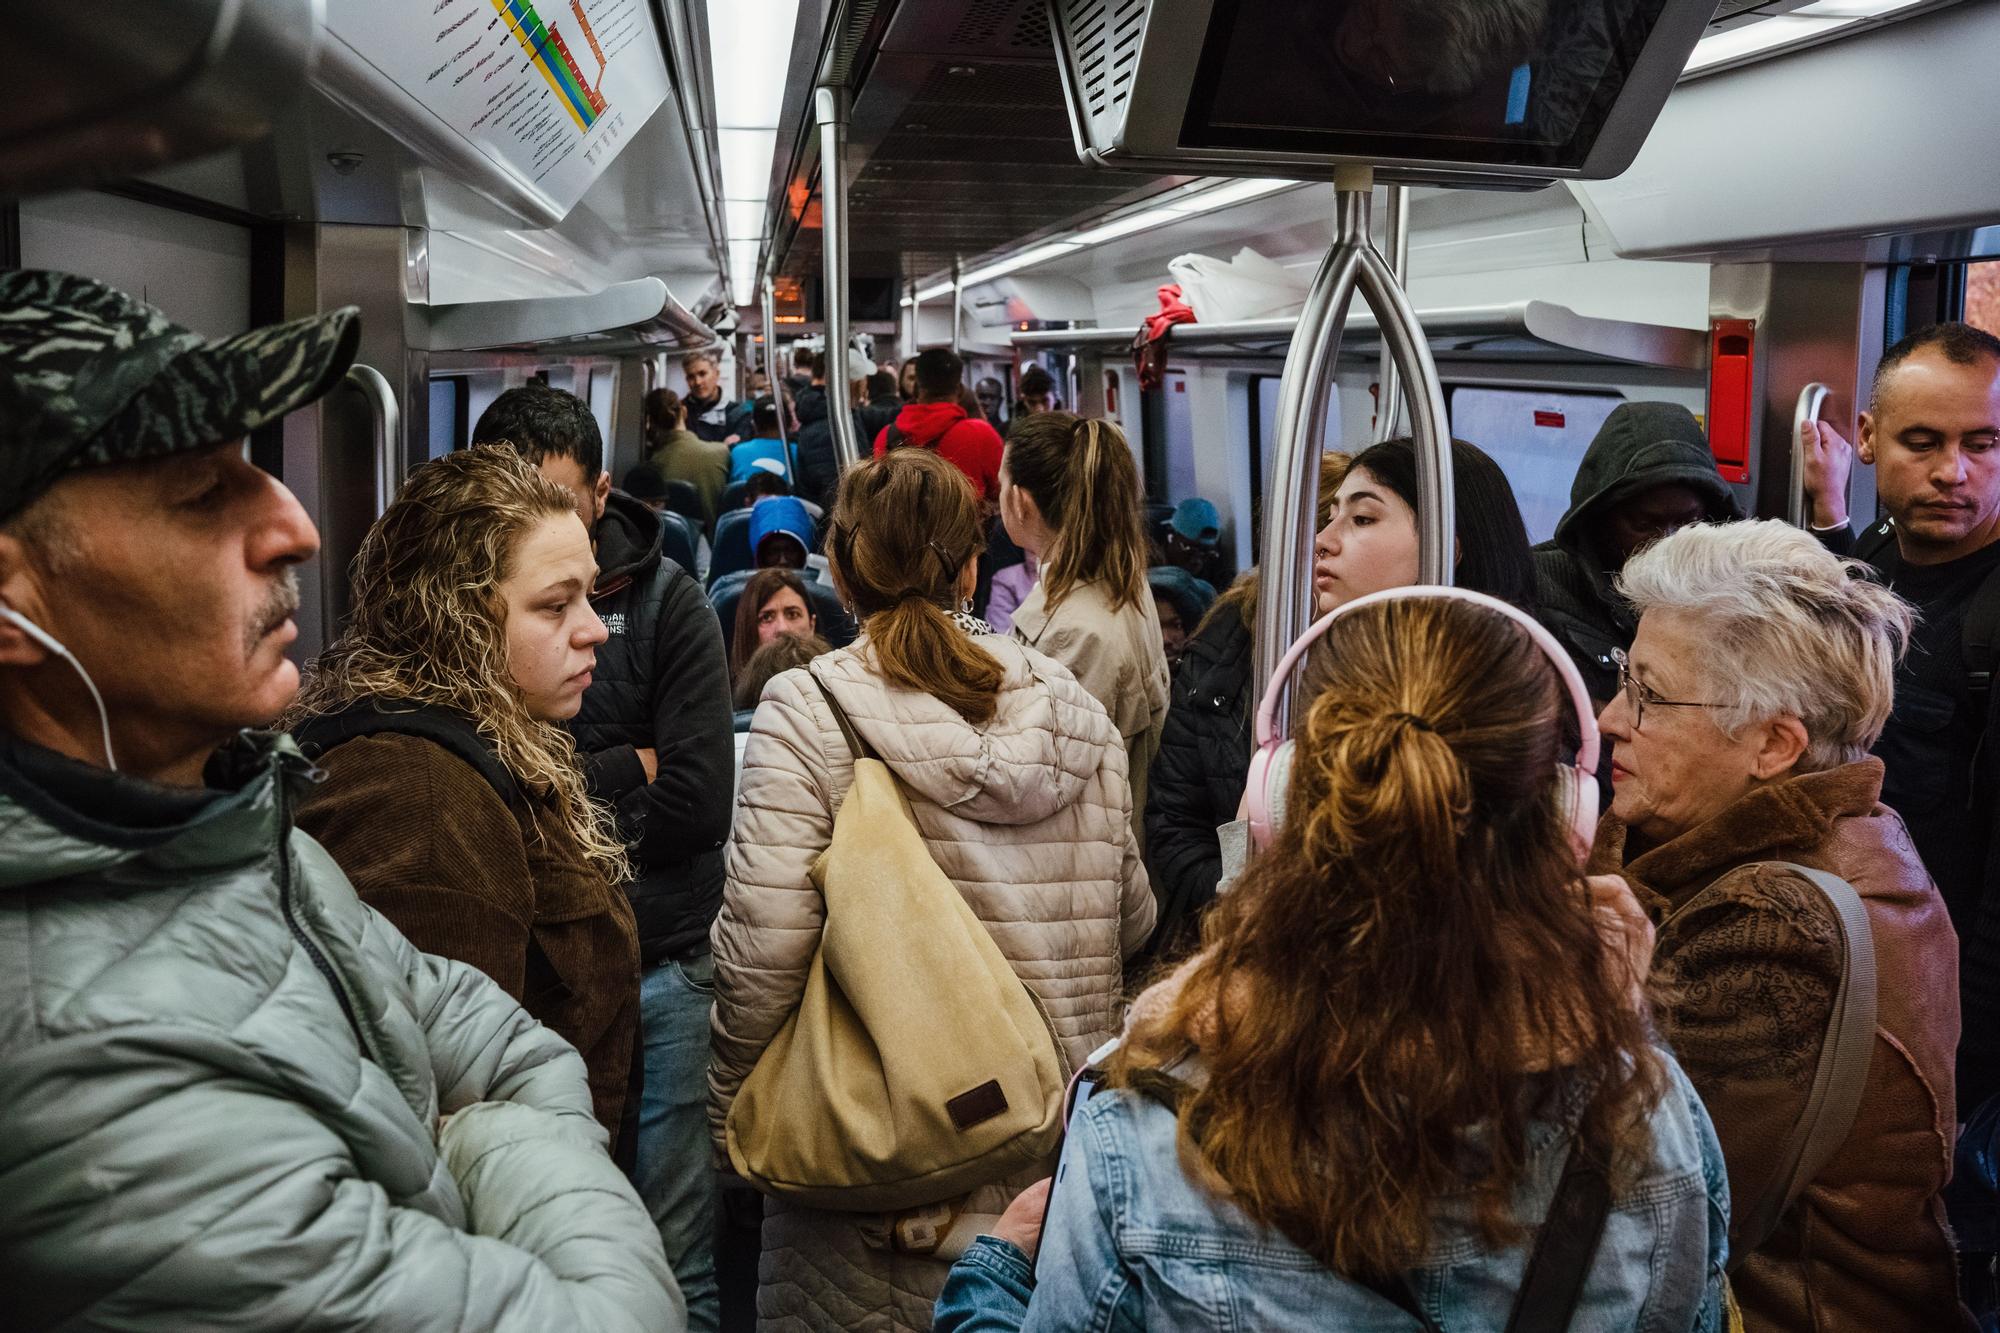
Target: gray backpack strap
[1842,1074]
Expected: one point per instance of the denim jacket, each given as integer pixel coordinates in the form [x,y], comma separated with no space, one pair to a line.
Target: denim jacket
[1132,1243]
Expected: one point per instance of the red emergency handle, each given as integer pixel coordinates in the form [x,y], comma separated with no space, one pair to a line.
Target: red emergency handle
[1731,356]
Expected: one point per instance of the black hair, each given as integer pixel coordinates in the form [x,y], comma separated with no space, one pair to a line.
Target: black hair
[764,416]
[819,365]
[762,483]
[940,374]
[1494,556]
[882,384]
[802,358]
[1960,344]
[541,423]
[1036,381]
[645,482]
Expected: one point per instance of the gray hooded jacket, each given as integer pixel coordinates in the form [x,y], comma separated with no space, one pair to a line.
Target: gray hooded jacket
[1639,446]
[221,1078]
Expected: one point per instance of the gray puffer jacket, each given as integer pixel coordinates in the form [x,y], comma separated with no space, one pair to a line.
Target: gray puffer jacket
[221,1078]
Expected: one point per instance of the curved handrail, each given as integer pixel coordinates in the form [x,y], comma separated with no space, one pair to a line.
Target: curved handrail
[1389,390]
[1811,399]
[374,386]
[1353,262]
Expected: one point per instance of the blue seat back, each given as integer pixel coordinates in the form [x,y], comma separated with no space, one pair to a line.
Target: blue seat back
[730,551]
[677,539]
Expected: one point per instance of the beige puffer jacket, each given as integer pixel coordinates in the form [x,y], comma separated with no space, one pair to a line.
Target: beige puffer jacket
[1030,816]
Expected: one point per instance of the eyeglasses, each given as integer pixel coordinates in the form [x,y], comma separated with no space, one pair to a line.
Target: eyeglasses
[1638,696]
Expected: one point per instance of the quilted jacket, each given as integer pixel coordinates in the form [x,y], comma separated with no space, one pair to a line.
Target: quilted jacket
[221,1078]
[1030,816]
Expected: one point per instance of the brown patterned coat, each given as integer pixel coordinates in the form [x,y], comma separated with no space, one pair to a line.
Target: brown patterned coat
[1745,979]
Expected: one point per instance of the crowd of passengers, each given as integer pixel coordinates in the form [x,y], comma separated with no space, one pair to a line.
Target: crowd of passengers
[416,991]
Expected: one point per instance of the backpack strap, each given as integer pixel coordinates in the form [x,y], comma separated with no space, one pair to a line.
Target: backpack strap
[1552,1283]
[1842,1073]
[1876,542]
[446,728]
[1981,645]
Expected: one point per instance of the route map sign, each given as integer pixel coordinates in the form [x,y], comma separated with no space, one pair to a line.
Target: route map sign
[550,90]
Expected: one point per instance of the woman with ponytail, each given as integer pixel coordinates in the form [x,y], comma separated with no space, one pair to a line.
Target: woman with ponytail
[1069,495]
[1017,783]
[1406,1021]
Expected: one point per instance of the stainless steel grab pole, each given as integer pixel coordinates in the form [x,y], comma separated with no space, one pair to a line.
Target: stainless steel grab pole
[830,109]
[957,306]
[777,382]
[1812,398]
[374,386]
[1285,607]
[1389,392]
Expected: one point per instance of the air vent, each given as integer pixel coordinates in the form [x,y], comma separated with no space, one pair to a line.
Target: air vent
[1032,32]
[1105,39]
[983,21]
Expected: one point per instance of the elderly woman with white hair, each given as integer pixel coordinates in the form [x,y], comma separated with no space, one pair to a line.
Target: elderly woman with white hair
[1760,676]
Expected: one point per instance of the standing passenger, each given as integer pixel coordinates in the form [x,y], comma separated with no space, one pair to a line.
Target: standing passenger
[1070,497]
[654,736]
[230,1095]
[1017,784]
[938,421]
[1646,475]
[1760,676]
[452,798]
[708,412]
[1411,1020]
[682,455]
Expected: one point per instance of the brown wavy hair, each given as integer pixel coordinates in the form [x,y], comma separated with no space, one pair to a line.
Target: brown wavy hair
[760,588]
[428,625]
[903,527]
[1084,481]
[1414,958]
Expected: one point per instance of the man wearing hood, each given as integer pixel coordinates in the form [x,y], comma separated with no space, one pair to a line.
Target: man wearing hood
[231,1095]
[655,737]
[937,421]
[1647,475]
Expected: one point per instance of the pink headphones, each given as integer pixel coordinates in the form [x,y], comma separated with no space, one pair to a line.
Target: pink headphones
[1579,780]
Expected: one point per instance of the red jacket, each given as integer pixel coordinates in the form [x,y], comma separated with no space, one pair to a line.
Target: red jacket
[971,445]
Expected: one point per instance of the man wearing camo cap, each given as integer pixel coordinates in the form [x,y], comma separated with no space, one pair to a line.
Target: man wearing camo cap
[230,1094]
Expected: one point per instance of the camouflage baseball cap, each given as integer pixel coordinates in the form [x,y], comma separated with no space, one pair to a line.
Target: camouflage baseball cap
[90,376]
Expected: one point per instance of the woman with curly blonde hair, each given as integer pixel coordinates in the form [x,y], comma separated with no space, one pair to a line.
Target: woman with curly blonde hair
[451,797]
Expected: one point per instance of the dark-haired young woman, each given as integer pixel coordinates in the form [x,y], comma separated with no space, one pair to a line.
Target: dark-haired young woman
[1407,1018]
[1069,496]
[1017,783]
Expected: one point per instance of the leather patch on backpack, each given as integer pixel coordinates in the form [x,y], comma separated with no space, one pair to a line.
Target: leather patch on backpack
[975,1107]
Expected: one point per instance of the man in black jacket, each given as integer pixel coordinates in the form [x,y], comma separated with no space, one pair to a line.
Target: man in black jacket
[655,737]
[1647,475]
[1932,434]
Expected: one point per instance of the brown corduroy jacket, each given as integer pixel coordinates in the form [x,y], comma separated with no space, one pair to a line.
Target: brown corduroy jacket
[429,844]
[1746,965]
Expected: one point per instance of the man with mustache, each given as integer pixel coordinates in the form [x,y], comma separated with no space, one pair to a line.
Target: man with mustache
[230,1094]
[1932,434]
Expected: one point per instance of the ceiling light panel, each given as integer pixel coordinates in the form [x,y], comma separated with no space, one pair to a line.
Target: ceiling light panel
[749,46]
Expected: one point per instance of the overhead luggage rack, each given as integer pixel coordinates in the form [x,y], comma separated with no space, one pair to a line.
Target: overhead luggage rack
[1524,331]
[638,316]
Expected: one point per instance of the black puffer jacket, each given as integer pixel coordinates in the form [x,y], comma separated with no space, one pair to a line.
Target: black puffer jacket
[661,684]
[1197,778]
[1640,445]
[819,467]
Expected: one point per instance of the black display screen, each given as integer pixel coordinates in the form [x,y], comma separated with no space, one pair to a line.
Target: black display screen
[1527,83]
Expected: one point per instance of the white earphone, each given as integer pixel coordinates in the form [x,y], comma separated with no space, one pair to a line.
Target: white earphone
[49,642]
[1578,781]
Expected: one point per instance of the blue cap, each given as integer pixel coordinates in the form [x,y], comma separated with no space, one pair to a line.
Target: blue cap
[1197,520]
[780,513]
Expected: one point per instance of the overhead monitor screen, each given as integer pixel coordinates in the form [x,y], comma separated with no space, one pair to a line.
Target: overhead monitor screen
[1527,83]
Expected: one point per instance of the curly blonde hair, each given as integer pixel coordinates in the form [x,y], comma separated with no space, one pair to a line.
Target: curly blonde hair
[428,626]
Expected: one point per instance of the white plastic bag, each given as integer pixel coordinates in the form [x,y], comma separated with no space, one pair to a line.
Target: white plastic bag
[1247,287]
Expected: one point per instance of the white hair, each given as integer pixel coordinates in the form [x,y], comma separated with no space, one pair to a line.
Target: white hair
[1786,627]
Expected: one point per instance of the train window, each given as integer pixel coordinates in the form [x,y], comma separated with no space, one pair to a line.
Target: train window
[1538,437]
[602,394]
[451,398]
[1982,296]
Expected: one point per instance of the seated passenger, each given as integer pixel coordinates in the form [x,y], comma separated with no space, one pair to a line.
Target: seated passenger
[1181,600]
[234,1096]
[452,798]
[1193,541]
[774,602]
[762,447]
[780,533]
[1760,676]
[1409,1021]
[708,412]
[1016,782]
[648,485]
[681,455]
[1646,475]
[1011,587]
[1070,497]
[653,738]
[782,653]
[938,421]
